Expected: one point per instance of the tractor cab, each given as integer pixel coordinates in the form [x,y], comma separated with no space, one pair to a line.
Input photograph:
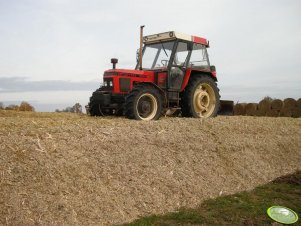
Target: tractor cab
[175,53]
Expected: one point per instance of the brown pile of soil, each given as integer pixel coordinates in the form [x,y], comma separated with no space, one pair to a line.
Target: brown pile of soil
[66,169]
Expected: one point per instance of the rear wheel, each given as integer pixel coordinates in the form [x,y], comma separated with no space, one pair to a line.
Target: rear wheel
[143,103]
[201,98]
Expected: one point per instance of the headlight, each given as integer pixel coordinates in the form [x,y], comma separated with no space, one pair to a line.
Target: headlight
[108,82]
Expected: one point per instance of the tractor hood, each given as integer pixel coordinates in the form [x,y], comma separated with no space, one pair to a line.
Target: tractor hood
[128,73]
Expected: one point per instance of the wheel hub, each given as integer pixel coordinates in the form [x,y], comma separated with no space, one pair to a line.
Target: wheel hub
[145,107]
[204,100]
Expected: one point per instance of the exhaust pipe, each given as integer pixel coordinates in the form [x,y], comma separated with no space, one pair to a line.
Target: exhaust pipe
[140,50]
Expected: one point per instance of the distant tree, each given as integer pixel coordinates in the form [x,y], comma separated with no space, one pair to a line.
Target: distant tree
[1,105]
[24,106]
[12,107]
[77,108]
[69,109]
[267,98]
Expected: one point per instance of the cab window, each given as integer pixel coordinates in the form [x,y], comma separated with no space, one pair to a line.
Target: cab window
[199,57]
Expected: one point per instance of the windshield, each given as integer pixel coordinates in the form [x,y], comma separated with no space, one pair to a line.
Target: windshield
[157,55]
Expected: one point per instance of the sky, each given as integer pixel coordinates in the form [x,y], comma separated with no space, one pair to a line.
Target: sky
[53,52]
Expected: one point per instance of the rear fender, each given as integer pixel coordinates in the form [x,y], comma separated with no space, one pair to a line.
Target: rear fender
[190,72]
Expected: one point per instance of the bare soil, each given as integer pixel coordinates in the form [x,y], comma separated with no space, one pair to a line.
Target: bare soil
[68,169]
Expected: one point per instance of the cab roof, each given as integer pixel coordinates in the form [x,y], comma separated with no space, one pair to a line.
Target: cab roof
[172,35]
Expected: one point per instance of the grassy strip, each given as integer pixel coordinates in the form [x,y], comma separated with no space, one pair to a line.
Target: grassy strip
[245,208]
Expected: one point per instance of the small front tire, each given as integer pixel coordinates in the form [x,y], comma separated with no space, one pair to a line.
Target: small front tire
[144,102]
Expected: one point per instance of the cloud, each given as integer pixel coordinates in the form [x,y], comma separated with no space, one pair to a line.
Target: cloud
[255,45]
[23,84]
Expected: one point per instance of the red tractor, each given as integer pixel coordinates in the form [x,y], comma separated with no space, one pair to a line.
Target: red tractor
[173,72]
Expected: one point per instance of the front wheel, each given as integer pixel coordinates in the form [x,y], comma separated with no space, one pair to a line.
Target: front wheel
[96,110]
[143,103]
[201,98]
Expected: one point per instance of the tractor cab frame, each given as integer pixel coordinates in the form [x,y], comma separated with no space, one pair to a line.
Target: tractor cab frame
[176,57]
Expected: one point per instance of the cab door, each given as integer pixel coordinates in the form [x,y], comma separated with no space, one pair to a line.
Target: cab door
[179,63]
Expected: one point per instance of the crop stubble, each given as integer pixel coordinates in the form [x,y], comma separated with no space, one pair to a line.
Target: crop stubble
[58,168]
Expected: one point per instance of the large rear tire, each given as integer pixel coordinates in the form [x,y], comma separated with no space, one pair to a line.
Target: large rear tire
[144,102]
[201,98]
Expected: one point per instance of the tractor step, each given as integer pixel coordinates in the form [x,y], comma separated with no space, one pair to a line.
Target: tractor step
[173,98]
[173,95]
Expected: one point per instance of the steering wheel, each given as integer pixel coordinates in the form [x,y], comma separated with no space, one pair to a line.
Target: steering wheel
[164,62]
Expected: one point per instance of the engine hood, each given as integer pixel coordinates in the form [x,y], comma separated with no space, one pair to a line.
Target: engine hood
[130,73]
